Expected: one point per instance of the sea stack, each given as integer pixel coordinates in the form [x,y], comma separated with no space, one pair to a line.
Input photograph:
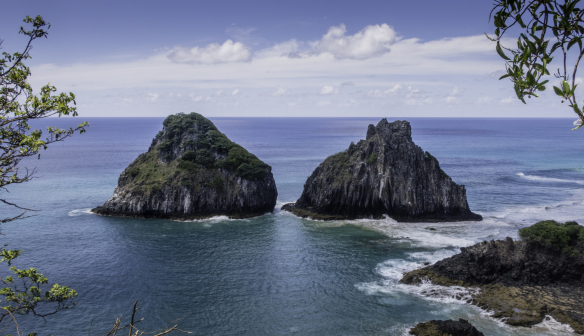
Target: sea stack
[386,174]
[192,171]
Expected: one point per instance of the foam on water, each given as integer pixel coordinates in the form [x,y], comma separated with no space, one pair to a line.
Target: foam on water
[548,179]
[80,212]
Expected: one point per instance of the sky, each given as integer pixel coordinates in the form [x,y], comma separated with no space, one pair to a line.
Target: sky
[225,58]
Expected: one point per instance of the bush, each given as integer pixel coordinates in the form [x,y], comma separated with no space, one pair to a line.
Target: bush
[553,234]
[372,159]
[245,164]
[205,158]
[188,166]
[216,183]
[189,156]
[133,172]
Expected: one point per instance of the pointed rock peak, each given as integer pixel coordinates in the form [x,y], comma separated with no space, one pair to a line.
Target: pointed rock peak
[370,131]
[398,128]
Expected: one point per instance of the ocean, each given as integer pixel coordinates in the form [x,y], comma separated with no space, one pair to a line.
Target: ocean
[279,274]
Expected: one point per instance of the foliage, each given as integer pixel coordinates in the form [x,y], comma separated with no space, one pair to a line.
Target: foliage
[26,291]
[352,147]
[19,106]
[553,234]
[210,141]
[372,158]
[244,164]
[216,182]
[528,64]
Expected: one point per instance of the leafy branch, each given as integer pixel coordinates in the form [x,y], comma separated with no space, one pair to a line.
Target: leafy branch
[528,63]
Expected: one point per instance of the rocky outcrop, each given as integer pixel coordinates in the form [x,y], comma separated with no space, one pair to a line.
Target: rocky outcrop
[386,174]
[445,328]
[190,171]
[520,281]
[512,263]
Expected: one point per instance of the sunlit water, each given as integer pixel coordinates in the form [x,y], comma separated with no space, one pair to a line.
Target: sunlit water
[279,274]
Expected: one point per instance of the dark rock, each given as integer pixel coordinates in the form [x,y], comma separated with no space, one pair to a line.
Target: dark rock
[192,171]
[384,174]
[519,281]
[445,328]
[512,263]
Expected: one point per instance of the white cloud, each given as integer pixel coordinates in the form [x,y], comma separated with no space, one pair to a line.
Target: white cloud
[383,94]
[287,49]
[323,103]
[451,100]
[328,90]
[235,92]
[456,92]
[371,41]
[153,97]
[508,100]
[281,92]
[213,53]
[484,100]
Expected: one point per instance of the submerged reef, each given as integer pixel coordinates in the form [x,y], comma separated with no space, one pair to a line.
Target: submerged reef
[520,281]
[385,174]
[191,171]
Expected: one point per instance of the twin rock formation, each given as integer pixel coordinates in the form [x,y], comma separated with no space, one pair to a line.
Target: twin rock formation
[194,171]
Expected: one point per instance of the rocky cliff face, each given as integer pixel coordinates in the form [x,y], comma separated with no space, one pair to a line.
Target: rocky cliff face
[384,174]
[191,171]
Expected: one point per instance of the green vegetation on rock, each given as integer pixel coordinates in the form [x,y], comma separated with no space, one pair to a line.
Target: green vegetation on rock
[212,149]
[564,237]
[372,159]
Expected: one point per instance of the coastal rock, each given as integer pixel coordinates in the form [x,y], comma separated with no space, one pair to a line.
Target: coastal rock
[445,328]
[190,171]
[386,174]
[523,281]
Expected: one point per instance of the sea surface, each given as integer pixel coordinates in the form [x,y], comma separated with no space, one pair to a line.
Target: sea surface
[278,274]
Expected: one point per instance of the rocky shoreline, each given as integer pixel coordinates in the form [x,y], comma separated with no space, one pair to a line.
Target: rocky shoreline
[520,281]
[385,174]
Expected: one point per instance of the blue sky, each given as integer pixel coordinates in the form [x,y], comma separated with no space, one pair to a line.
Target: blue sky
[273,58]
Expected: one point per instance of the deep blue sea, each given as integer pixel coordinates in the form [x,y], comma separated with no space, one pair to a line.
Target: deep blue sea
[278,274]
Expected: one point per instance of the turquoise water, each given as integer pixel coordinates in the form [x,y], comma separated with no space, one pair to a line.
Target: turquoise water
[278,274]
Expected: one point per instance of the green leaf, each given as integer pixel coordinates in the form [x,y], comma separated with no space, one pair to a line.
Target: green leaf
[504,76]
[501,53]
[558,91]
[565,87]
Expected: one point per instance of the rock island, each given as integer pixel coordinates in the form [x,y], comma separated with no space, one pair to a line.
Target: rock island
[385,174]
[191,171]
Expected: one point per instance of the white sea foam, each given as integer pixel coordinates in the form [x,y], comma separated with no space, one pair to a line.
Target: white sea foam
[80,212]
[548,179]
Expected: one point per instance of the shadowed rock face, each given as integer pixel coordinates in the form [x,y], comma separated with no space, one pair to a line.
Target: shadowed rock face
[384,174]
[445,328]
[192,171]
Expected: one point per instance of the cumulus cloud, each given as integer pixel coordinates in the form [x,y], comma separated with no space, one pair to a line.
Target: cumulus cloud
[281,92]
[371,41]
[328,90]
[508,100]
[227,52]
[235,92]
